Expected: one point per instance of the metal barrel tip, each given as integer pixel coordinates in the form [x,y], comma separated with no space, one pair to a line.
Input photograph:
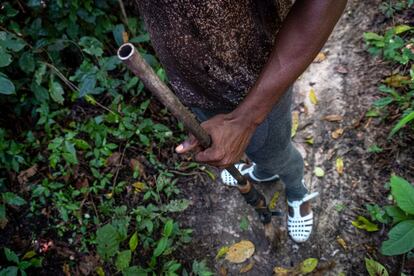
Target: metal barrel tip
[126,51]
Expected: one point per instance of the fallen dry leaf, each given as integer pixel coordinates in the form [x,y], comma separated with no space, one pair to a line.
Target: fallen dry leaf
[273,201]
[337,133]
[309,140]
[342,242]
[82,182]
[136,165]
[319,57]
[340,165]
[397,80]
[113,160]
[66,269]
[333,118]
[139,186]
[125,37]
[281,271]
[312,97]
[341,69]
[295,123]
[247,267]
[223,271]
[240,252]
[24,176]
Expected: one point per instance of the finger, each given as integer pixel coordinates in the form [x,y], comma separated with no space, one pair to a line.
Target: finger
[188,145]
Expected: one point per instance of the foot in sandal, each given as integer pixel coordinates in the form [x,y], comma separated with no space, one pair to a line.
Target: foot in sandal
[300,218]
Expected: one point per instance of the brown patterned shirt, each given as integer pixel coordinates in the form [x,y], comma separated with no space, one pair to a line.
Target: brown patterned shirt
[213,50]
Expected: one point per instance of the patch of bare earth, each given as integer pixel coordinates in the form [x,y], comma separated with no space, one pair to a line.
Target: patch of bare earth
[345,84]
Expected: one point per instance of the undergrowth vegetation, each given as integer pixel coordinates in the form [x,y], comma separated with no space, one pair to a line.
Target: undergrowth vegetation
[84,185]
[394,46]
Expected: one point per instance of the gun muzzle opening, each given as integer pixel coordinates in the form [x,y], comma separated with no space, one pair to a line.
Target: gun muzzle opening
[126,51]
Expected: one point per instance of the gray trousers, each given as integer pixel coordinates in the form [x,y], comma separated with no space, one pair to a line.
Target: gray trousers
[271,147]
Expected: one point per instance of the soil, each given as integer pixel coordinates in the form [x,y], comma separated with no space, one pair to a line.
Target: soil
[345,84]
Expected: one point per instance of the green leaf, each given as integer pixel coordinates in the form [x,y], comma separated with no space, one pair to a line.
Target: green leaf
[402,28]
[87,85]
[11,256]
[5,58]
[201,268]
[6,86]
[13,199]
[396,213]
[244,224]
[161,246]
[383,102]
[372,36]
[91,45]
[363,223]
[118,33]
[133,242]
[401,239]
[405,120]
[308,265]
[177,205]
[403,193]
[71,157]
[11,42]
[123,259]
[140,39]
[374,268]
[168,228]
[9,271]
[134,271]
[222,251]
[56,91]
[27,62]
[40,73]
[107,242]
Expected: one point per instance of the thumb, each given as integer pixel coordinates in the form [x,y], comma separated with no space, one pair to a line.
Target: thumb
[188,145]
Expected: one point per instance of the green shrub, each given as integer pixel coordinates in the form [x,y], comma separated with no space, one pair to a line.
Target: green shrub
[397,47]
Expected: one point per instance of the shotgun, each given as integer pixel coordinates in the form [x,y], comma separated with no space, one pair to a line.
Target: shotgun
[133,60]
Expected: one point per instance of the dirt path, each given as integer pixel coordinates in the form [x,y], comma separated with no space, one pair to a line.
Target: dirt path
[341,85]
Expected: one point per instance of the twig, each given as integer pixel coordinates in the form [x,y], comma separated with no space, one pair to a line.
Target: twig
[76,89]
[124,15]
[119,167]
[21,6]
[94,207]
[183,173]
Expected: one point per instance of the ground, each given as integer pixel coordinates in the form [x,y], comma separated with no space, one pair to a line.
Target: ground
[345,84]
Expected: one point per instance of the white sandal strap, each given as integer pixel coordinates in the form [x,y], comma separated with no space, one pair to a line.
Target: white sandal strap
[228,179]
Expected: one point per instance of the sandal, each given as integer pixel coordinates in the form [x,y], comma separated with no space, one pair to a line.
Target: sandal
[246,170]
[299,227]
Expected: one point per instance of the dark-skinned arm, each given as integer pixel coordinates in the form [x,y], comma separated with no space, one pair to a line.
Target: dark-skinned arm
[302,35]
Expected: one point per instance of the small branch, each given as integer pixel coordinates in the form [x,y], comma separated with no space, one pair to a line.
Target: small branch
[119,167]
[76,89]
[124,15]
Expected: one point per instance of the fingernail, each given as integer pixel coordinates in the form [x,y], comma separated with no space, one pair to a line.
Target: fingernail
[179,148]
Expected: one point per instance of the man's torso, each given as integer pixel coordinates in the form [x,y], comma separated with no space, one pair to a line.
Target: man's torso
[213,51]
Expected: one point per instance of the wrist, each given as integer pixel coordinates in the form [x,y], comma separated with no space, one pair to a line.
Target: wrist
[246,117]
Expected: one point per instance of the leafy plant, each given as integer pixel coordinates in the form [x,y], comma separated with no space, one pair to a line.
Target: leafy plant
[390,7]
[401,236]
[20,265]
[75,112]
[396,47]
